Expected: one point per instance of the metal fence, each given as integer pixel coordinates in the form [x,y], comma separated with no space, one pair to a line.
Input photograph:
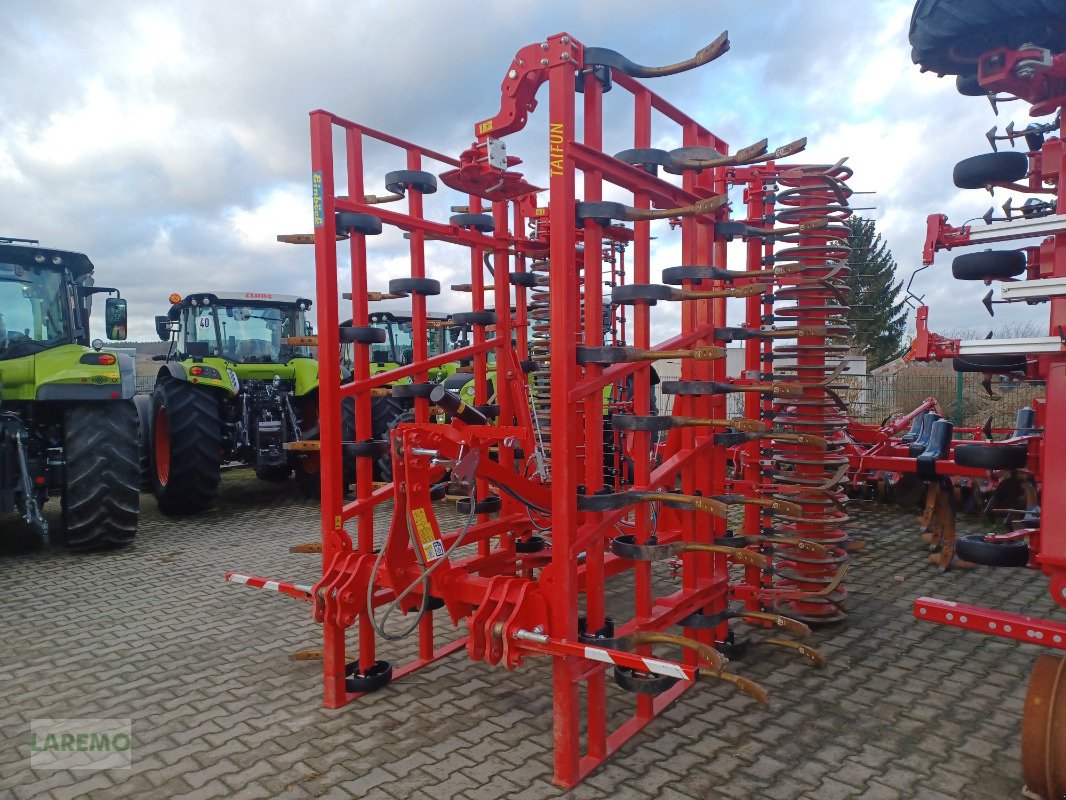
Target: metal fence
[873,398]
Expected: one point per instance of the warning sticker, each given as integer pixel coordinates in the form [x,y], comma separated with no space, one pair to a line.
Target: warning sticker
[432,547]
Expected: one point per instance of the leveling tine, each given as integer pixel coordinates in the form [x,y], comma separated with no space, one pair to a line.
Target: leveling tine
[605,57]
[634,422]
[625,355]
[602,211]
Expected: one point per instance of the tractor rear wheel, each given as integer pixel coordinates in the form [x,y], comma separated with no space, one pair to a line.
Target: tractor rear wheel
[101,500]
[186,447]
[387,414]
[308,471]
[143,403]
[947,36]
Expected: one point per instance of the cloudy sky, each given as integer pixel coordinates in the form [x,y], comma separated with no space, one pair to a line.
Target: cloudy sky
[169,140]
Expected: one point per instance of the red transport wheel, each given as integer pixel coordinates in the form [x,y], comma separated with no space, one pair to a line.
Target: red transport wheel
[1044,729]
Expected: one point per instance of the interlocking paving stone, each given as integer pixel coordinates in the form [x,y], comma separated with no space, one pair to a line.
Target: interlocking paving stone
[219,708]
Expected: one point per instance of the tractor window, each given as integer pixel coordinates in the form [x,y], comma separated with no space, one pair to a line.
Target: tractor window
[34,306]
[201,327]
[402,342]
[256,334]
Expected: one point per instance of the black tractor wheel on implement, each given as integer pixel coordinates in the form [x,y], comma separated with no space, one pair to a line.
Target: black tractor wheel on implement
[947,36]
[143,404]
[101,498]
[186,447]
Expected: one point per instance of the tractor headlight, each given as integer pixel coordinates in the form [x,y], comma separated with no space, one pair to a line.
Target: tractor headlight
[234,380]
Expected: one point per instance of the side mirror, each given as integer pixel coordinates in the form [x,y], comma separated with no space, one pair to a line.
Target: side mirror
[162,328]
[115,318]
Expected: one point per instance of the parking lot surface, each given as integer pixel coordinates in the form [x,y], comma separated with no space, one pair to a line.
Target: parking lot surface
[219,708]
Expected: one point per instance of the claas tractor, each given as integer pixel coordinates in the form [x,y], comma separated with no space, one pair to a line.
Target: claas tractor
[396,351]
[68,426]
[238,384]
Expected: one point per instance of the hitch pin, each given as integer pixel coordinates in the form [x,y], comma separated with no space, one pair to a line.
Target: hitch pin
[422,451]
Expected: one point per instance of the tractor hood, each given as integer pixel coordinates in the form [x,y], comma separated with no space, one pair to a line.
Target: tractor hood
[66,373]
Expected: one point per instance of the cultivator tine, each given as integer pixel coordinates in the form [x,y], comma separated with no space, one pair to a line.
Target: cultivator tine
[309,547]
[655,423]
[774,504]
[617,501]
[808,652]
[744,686]
[310,654]
[624,355]
[625,546]
[374,199]
[778,621]
[603,212]
[808,439]
[604,57]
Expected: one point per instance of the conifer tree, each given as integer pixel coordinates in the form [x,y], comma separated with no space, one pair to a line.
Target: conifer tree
[878,313]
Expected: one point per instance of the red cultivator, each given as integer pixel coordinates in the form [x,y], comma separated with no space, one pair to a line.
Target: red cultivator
[566,478]
[1036,74]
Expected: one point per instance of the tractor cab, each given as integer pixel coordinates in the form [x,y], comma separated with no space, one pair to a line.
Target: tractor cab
[240,327]
[398,349]
[45,300]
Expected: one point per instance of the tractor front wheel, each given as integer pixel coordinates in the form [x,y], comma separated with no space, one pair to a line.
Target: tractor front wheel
[186,447]
[101,499]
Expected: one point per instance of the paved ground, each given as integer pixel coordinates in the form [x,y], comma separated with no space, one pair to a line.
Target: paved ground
[219,709]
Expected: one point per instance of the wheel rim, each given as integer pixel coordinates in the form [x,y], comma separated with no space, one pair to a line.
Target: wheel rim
[161,445]
[1044,729]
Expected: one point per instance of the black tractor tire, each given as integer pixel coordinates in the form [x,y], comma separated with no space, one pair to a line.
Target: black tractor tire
[993,554]
[101,498]
[988,264]
[310,480]
[275,473]
[187,422]
[977,172]
[143,404]
[947,36]
[992,456]
[989,363]
[383,465]
[968,86]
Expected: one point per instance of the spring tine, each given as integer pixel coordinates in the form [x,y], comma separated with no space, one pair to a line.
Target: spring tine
[374,199]
[748,558]
[704,651]
[744,686]
[708,206]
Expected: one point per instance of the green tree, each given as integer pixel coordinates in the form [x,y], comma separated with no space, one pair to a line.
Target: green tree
[878,313]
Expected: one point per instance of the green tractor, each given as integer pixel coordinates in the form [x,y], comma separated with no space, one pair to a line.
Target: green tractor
[396,351]
[239,384]
[68,426]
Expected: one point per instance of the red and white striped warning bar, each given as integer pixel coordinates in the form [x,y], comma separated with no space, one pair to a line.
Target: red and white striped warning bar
[546,644]
[297,590]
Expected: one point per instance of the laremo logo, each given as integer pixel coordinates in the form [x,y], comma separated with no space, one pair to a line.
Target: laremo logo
[80,743]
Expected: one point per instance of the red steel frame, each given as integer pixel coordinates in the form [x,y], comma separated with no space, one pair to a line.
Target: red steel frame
[518,603]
